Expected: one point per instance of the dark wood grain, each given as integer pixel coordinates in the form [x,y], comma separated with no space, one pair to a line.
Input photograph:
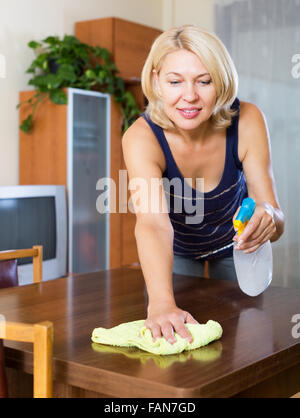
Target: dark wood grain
[257,343]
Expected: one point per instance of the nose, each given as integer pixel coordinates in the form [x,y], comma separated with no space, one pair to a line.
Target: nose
[190,93]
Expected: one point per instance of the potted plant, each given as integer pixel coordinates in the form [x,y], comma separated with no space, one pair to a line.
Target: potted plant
[67,62]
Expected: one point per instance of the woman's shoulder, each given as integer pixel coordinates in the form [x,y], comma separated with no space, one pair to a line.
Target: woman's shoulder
[250,112]
[253,130]
[139,126]
[139,133]
[140,138]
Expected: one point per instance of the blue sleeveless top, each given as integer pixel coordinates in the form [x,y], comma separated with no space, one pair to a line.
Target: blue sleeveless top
[202,222]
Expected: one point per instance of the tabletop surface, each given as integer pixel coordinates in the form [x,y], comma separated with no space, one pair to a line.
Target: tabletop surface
[257,340]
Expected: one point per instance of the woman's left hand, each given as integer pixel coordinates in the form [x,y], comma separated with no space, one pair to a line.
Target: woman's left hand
[259,229]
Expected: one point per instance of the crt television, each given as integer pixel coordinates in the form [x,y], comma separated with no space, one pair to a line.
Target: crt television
[35,215]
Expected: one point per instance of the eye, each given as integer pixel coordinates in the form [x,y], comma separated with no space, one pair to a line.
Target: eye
[174,83]
[205,83]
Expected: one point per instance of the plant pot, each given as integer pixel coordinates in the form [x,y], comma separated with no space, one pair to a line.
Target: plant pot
[78,64]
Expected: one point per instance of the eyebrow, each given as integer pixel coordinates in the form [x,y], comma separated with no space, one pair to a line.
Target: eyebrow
[200,75]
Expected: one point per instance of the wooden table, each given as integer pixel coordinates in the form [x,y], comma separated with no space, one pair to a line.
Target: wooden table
[256,356]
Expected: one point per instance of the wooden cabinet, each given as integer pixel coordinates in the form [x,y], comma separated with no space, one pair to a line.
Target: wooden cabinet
[129,43]
[75,145]
[43,154]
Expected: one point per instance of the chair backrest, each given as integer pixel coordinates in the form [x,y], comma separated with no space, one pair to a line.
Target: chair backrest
[41,335]
[8,273]
[9,278]
[36,252]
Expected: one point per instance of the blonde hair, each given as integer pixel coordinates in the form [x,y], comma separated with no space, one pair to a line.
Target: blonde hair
[214,56]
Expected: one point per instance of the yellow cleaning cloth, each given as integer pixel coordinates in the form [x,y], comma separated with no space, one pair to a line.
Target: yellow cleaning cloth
[205,354]
[135,334]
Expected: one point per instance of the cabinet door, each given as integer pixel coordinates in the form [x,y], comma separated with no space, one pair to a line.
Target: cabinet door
[128,42]
[89,152]
[132,44]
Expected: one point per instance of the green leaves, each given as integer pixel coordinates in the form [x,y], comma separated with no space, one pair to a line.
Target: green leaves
[66,73]
[68,62]
[45,83]
[38,63]
[34,44]
[51,40]
[58,97]
[26,125]
[90,74]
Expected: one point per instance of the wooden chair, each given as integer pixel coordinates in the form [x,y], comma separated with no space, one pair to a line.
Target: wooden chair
[41,334]
[36,252]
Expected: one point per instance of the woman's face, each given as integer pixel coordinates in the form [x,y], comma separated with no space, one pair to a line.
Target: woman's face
[186,89]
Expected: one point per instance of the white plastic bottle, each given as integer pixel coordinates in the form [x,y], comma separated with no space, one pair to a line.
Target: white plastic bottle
[254,270]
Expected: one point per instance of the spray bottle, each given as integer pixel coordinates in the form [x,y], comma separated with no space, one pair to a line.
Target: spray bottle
[253,270]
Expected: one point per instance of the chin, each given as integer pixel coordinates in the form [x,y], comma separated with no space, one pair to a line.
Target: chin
[188,124]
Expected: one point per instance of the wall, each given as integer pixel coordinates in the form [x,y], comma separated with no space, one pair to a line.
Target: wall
[22,21]
[180,12]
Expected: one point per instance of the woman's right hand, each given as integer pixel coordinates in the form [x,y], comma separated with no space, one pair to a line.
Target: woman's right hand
[163,321]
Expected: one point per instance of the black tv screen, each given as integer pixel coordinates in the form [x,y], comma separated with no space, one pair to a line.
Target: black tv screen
[29,221]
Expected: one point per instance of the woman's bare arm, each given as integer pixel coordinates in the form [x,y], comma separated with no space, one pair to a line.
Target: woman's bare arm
[267,222]
[153,232]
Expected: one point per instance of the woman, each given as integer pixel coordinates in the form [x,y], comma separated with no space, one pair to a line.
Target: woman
[195,127]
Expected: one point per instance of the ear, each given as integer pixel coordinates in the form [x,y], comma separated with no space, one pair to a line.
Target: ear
[156,82]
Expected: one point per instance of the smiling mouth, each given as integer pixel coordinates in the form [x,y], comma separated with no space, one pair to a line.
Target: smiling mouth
[189,113]
[191,110]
